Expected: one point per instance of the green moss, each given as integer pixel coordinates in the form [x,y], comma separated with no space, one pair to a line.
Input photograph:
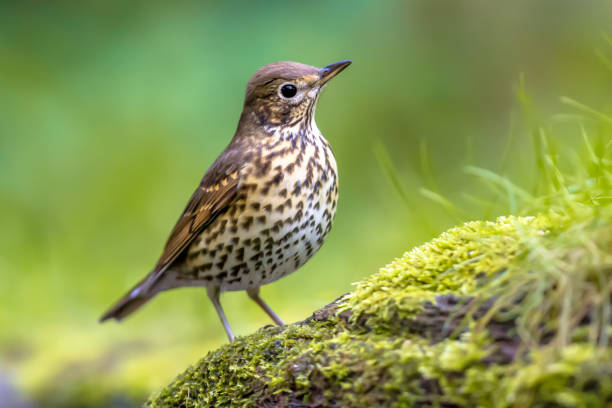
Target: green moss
[508,313]
[453,263]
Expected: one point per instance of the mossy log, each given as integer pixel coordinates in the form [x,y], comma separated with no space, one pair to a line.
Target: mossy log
[493,314]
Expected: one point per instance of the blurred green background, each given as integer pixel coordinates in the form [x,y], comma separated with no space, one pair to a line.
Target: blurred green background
[110,112]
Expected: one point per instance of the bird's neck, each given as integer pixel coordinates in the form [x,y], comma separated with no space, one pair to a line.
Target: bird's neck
[252,124]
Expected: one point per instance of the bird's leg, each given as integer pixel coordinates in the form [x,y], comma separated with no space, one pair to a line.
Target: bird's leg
[213,293]
[254,294]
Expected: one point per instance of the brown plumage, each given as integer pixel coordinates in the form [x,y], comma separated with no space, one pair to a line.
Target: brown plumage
[264,206]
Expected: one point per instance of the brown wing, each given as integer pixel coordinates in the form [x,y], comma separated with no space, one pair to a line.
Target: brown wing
[216,192]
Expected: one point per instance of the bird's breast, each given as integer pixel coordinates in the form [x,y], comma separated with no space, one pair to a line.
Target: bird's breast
[286,204]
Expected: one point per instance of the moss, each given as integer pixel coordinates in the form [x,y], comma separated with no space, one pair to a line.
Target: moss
[508,313]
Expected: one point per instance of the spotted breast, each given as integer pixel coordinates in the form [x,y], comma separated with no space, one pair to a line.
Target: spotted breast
[284,210]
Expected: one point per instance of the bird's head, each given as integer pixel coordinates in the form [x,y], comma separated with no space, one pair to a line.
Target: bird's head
[285,93]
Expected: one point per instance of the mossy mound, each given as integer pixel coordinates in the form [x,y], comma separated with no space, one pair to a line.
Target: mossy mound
[508,313]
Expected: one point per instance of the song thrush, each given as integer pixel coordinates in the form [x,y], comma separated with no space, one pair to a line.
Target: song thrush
[264,206]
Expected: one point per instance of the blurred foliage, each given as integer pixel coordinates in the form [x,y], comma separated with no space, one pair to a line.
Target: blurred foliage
[110,112]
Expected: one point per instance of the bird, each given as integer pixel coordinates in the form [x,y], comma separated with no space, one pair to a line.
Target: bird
[264,206]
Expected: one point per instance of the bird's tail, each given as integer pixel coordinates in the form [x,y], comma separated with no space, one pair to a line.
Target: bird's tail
[133,300]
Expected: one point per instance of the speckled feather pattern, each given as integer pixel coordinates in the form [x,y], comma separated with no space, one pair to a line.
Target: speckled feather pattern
[286,203]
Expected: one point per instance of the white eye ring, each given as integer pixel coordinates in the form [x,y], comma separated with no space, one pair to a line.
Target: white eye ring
[287,91]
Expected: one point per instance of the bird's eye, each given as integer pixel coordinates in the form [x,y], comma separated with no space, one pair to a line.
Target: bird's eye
[288,90]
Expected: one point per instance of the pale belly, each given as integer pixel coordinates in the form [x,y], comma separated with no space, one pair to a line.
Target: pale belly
[277,224]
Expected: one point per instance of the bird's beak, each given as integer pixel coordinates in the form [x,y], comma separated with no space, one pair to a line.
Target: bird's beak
[332,70]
